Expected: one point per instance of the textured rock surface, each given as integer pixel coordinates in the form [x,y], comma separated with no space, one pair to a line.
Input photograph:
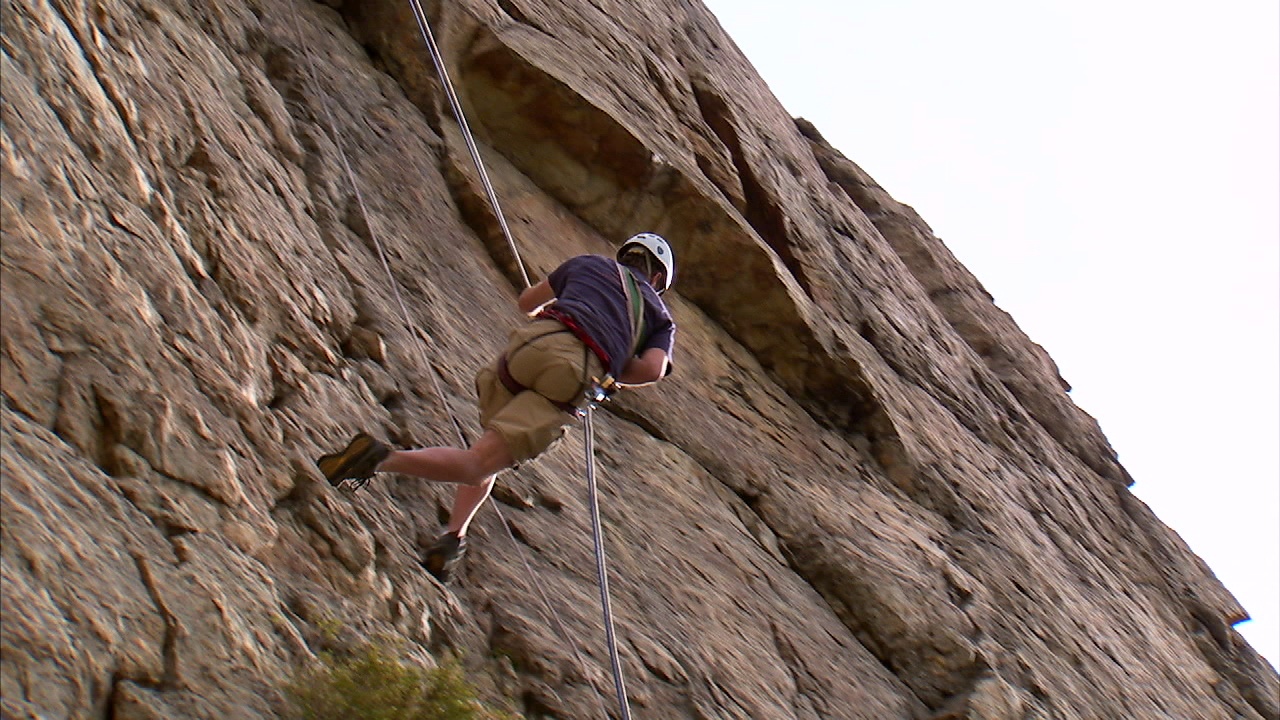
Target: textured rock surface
[864,494]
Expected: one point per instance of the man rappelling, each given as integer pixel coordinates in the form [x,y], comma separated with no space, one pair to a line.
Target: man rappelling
[595,322]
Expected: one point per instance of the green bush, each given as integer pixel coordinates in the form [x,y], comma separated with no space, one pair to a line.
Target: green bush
[373,684]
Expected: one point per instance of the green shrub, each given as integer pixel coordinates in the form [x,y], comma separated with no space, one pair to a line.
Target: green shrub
[373,684]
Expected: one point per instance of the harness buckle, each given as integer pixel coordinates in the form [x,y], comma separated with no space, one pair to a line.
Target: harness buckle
[600,391]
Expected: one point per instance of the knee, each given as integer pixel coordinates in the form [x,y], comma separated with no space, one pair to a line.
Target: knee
[478,469]
[475,476]
[488,457]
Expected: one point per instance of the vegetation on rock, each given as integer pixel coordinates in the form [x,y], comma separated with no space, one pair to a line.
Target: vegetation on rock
[373,683]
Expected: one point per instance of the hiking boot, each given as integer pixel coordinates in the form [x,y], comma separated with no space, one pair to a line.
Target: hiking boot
[357,462]
[444,554]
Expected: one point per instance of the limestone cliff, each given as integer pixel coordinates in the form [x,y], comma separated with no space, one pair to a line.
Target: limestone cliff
[863,494]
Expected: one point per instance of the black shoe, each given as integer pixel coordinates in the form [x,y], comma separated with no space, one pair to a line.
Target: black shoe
[444,555]
[357,462]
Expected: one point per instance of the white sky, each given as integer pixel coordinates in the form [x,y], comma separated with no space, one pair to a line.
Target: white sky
[1110,171]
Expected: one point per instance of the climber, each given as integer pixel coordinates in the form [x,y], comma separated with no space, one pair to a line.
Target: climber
[595,323]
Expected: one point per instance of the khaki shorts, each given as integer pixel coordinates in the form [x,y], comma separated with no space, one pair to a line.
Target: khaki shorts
[552,362]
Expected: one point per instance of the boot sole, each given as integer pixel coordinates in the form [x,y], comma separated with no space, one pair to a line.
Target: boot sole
[337,466]
[441,561]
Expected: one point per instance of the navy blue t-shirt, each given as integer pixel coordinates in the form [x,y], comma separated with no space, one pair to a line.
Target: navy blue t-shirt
[589,290]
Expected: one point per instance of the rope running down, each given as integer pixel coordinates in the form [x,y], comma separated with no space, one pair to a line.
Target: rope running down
[593,398]
[438,59]
[313,77]
[601,572]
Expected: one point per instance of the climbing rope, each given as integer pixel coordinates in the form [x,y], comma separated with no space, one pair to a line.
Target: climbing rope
[602,576]
[438,59]
[336,137]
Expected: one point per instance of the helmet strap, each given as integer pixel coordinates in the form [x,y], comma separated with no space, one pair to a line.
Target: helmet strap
[648,265]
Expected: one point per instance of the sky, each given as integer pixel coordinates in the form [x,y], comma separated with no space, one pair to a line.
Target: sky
[1110,172]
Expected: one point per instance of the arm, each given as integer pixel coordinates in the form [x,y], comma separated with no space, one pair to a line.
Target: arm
[649,368]
[533,298]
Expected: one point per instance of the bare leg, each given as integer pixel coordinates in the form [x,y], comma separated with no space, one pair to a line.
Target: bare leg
[466,501]
[473,467]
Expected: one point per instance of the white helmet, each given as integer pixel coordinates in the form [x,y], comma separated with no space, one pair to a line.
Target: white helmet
[659,249]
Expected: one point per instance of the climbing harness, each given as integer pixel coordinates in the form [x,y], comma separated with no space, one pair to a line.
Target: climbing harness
[598,392]
[515,387]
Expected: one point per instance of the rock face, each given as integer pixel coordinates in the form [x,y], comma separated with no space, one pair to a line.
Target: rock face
[236,233]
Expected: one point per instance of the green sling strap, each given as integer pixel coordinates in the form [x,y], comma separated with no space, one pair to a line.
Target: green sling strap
[635,307]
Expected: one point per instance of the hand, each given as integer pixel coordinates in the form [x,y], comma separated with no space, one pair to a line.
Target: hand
[534,298]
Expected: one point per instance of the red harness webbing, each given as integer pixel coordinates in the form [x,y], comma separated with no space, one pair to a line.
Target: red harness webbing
[576,329]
